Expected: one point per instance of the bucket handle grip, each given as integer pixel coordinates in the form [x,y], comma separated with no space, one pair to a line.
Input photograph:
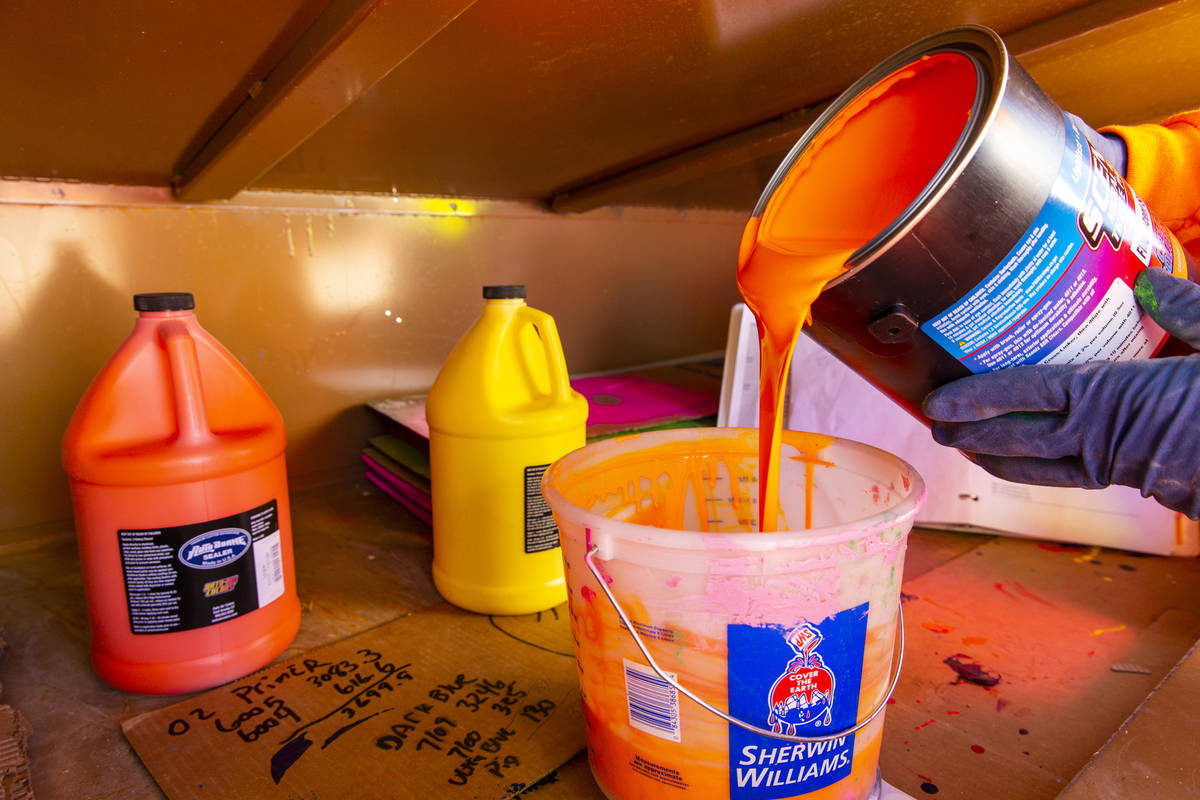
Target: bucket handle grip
[897,660]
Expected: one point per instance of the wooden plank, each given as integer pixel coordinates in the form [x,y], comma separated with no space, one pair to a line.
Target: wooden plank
[351,46]
[1069,37]
[1153,755]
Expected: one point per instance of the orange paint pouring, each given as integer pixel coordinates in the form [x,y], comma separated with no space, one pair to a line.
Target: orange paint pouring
[858,174]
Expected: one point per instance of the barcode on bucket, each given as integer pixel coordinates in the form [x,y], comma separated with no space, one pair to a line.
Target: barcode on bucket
[268,562]
[653,703]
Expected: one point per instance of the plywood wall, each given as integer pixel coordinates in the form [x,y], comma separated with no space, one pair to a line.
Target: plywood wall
[331,301]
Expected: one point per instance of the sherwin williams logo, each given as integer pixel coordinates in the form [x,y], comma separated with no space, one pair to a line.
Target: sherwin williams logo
[215,548]
[801,679]
[803,694]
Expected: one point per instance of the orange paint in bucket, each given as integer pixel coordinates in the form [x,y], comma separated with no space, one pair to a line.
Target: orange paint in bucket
[864,168]
[790,632]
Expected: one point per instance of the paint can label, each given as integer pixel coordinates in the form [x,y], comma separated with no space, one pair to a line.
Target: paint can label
[1063,294]
[802,680]
[190,576]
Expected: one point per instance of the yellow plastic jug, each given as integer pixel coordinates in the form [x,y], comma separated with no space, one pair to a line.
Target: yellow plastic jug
[500,412]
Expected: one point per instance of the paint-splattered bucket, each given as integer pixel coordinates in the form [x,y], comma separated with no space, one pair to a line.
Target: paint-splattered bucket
[1013,240]
[783,643]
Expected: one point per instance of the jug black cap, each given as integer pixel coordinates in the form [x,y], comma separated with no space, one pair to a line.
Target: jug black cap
[164,301]
[507,292]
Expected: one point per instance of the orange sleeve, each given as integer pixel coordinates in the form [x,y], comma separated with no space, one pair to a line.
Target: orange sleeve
[1164,169]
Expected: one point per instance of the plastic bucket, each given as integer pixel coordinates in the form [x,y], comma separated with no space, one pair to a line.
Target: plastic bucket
[781,642]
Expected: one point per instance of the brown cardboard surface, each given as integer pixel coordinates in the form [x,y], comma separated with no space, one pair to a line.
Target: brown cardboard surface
[441,703]
[1050,622]
[572,781]
[1153,755]
[15,782]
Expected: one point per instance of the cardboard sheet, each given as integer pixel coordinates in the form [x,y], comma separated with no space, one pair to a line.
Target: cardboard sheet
[439,704]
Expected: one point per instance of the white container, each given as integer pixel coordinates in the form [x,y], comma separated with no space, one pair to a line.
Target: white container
[789,633]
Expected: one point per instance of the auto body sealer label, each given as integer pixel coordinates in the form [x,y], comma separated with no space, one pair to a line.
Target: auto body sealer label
[189,576]
[1063,294]
[802,680]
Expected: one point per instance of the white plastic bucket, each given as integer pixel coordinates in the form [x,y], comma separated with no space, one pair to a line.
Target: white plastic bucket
[790,633]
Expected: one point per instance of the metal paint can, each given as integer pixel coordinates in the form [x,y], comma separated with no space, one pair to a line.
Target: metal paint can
[1022,249]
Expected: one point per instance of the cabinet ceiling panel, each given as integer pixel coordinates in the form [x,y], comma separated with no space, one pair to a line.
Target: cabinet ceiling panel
[526,99]
[120,91]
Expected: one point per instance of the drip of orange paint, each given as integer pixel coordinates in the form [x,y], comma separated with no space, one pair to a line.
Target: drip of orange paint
[843,189]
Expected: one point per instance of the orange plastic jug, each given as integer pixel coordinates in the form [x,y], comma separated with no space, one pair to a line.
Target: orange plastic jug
[500,412]
[176,461]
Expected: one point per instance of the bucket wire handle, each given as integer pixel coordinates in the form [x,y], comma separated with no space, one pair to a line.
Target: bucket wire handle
[897,660]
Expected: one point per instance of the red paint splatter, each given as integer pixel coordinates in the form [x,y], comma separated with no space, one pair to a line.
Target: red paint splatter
[1031,595]
[1063,548]
[904,479]
[673,581]
[1000,588]
[976,748]
[952,712]
[924,724]
[923,777]
[891,701]
[970,671]
[588,593]
[1001,704]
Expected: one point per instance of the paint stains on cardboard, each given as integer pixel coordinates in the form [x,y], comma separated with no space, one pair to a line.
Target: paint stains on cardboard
[936,627]
[971,641]
[924,724]
[1102,631]
[929,787]
[969,671]
[905,597]
[1063,548]
[977,748]
[1021,590]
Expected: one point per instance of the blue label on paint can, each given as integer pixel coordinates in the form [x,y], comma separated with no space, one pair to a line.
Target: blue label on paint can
[802,680]
[1063,294]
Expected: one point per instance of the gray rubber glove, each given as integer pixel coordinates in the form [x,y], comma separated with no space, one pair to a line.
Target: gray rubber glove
[1135,423]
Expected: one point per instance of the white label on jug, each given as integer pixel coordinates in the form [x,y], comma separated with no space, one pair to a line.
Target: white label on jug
[1054,287]
[801,680]
[540,531]
[653,703]
[190,576]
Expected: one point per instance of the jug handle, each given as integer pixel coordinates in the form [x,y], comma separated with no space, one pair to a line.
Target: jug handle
[897,660]
[185,379]
[556,364]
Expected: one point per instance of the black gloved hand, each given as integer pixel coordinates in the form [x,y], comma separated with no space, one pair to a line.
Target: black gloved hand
[1135,423]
